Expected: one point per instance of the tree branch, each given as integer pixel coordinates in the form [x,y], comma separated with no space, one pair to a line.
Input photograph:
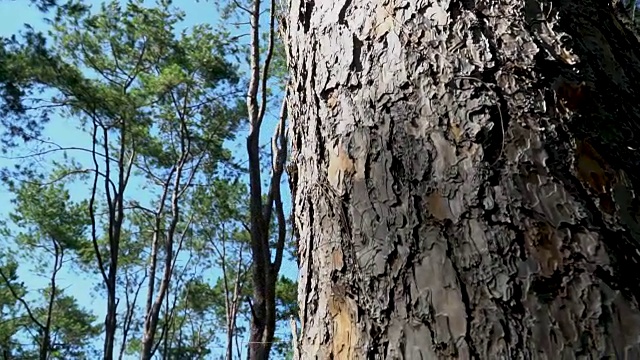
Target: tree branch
[92,215]
[275,196]
[21,300]
[267,62]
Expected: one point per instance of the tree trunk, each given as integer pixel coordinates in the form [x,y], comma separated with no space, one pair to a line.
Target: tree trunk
[464,180]
[111,321]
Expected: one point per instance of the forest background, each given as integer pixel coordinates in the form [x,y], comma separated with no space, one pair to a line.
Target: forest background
[47,189]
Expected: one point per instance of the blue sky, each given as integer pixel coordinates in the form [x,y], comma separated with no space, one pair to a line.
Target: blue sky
[13,16]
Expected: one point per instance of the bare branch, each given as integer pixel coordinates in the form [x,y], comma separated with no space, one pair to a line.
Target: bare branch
[46,331]
[267,62]
[94,236]
[248,11]
[95,66]
[45,152]
[137,206]
[241,23]
[110,204]
[21,300]
[181,242]
[136,69]
[279,153]
[129,312]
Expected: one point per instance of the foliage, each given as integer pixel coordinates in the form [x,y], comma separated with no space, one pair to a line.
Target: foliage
[51,226]
[11,317]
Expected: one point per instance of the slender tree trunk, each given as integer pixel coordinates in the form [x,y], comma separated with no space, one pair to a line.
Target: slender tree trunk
[115,202]
[45,346]
[232,301]
[149,332]
[110,321]
[464,179]
[265,271]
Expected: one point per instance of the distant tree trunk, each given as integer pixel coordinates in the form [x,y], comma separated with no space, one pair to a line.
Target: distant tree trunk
[464,180]
[266,260]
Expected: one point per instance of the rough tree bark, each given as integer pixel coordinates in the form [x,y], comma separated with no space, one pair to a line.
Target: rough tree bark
[463,179]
